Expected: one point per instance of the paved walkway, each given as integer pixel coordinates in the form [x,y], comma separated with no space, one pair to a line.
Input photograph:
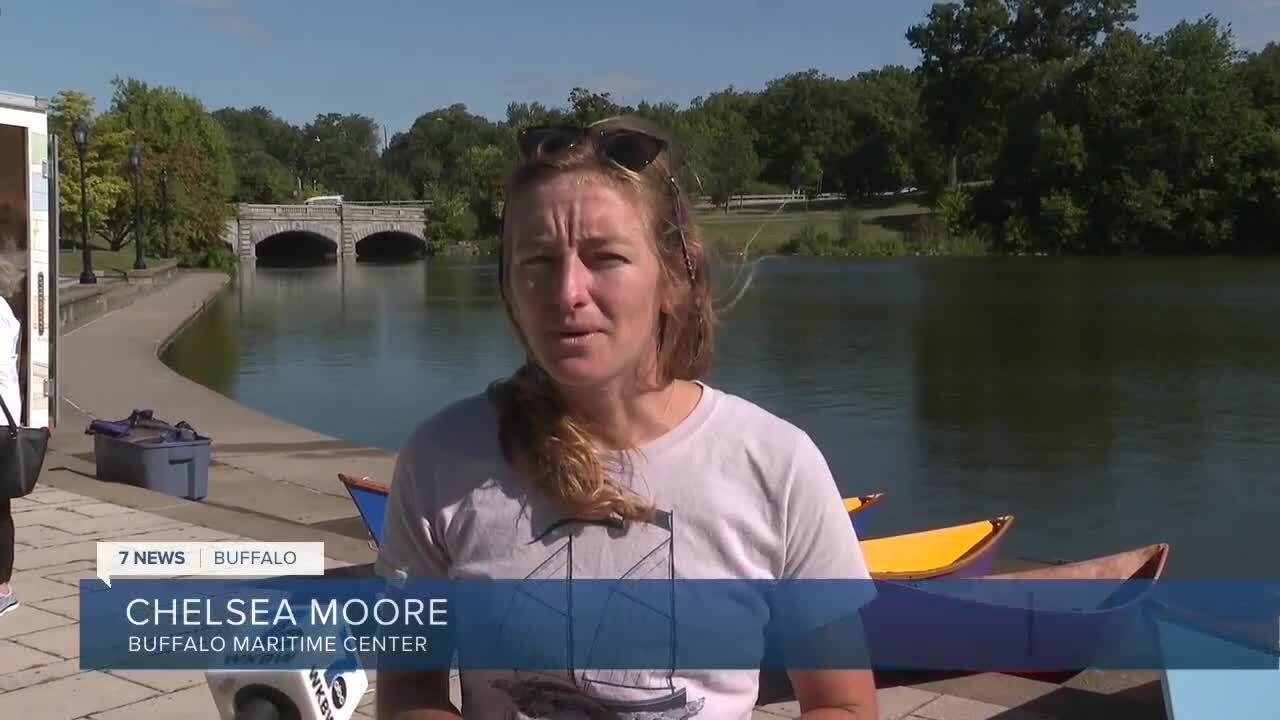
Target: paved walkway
[274,481]
[40,673]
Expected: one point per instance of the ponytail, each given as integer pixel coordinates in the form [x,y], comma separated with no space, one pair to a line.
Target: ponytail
[542,439]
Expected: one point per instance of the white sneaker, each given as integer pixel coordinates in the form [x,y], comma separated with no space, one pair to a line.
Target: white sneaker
[8,601]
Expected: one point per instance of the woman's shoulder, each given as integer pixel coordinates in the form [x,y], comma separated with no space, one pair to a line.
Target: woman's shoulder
[463,423]
[754,423]
[753,436]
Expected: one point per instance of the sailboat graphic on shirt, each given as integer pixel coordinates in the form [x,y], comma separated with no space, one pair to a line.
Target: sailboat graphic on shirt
[603,694]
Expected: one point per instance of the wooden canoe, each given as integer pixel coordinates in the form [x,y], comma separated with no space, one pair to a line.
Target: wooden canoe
[903,615]
[1034,634]
[957,551]
[1144,563]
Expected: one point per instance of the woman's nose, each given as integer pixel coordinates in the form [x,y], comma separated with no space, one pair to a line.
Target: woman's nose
[572,282]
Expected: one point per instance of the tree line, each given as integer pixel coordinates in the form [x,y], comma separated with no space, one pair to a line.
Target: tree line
[1030,126]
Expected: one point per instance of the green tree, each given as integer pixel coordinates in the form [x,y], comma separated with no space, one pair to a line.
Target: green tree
[798,113]
[173,131]
[588,106]
[104,156]
[718,145]
[1049,31]
[265,153]
[341,152]
[449,219]
[1205,121]
[1124,184]
[888,148]
[807,176]
[1261,75]
[436,150]
[521,114]
[962,48]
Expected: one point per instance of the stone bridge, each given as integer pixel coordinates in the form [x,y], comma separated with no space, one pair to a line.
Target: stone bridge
[341,230]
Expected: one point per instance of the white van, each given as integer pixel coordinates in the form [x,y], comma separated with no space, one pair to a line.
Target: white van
[28,207]
[323,200]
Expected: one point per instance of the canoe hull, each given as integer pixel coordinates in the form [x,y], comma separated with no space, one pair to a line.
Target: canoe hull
[913,626]
[910,629]
[860,508]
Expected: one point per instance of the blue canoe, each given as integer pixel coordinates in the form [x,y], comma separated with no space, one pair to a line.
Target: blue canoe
[859,508]
[370,498]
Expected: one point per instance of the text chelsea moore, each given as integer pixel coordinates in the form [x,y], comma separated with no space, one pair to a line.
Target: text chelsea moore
[204,611]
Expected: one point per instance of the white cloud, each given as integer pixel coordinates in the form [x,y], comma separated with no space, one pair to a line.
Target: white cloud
[225,16]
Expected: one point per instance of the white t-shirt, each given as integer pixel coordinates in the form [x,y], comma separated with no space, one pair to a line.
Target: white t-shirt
[10,390]
[742,494]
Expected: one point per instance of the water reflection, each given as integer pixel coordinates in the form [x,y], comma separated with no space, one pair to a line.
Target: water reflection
[1107,404]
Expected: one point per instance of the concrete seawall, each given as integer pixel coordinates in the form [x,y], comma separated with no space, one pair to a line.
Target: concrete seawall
[262,464]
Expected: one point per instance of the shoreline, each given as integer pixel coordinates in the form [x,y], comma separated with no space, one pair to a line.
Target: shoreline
[259,464]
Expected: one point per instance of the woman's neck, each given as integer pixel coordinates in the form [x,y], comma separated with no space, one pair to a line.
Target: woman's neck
[628,417]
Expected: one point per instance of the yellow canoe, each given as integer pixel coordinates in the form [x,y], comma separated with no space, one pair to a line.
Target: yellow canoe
[959,551]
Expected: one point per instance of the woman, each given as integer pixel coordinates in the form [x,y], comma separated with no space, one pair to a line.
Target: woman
[606,455]
[11,276]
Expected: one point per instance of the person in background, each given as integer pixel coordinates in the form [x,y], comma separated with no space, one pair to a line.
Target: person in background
[12,275]
[606,455]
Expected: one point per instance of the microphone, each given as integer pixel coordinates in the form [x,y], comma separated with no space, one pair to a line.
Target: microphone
[287,694]
[330,693]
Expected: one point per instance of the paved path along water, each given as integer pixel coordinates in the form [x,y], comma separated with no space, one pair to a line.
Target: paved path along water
[275,481]
[111,367]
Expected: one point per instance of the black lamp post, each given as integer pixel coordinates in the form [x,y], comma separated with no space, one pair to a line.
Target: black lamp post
[135,165]
[164,207]
[80,133]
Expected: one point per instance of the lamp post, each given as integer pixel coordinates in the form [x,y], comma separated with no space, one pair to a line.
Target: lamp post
[135,165]
[80,133]
[164,207]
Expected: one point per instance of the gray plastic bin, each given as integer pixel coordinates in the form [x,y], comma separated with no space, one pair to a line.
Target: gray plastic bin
[178,468]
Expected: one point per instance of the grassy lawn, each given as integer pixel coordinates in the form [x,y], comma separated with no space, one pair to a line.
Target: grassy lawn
[70,261]
[771,227]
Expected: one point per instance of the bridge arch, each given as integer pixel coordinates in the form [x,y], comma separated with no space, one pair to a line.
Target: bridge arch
[388,240]
[291,246]
[390,245]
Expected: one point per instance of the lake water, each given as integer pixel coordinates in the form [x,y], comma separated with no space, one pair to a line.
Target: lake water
[1107,404]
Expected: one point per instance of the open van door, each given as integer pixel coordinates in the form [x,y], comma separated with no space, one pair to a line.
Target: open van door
[28,219]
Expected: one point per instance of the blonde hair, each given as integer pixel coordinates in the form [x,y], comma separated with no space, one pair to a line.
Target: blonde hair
[538,433]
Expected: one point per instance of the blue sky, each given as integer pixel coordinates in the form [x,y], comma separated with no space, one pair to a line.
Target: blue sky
[395,59]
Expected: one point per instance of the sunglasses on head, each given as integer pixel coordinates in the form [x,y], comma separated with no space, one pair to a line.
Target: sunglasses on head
[630,148]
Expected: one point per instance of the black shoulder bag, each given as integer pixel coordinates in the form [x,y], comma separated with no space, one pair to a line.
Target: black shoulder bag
[22,452]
